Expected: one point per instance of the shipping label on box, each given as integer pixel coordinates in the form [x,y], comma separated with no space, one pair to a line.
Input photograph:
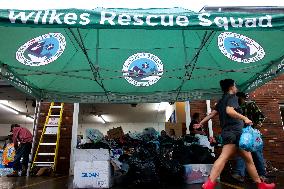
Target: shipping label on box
[92,174]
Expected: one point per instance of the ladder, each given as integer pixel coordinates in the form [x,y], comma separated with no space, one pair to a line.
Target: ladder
[51,127]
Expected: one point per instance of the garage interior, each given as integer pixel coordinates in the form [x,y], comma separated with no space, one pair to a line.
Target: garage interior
[122,143]
[131,117]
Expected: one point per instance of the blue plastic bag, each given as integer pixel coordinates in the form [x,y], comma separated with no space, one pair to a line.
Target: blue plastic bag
[246,140]
[251,140]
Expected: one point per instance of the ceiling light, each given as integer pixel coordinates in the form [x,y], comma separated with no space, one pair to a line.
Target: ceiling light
[4,102]
[102,119]
[106,118]
[162,106]
[8,108]
[29,118]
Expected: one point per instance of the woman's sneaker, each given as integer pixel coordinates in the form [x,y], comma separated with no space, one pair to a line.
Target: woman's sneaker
[263,185]
[209,184]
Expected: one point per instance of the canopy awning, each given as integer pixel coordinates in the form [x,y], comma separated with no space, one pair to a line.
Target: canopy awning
[141,55]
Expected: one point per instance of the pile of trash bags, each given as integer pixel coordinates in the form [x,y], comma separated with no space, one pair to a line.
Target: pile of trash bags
[148,158]
[96,140]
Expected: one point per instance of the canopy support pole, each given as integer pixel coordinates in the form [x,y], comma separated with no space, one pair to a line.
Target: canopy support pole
[74,137]
[35,129]
[187,116]
[210,125]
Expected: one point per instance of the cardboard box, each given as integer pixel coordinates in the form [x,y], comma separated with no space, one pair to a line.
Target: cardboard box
[91,155]
[92,168]
[179,128]
[115,133]
[96,174]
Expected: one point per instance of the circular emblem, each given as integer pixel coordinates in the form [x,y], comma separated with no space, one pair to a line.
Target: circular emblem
[240,48]
[142,69]
[41,50]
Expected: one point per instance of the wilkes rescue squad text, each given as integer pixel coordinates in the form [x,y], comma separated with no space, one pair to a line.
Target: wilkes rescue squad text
[123,19]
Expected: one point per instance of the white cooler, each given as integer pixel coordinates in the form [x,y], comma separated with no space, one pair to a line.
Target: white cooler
[92,168]
[197,173]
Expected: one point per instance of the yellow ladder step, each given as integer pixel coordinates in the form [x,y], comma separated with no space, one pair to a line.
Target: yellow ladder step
[51,125]
[47,144]
[46,154]
[43,164]
[56,107]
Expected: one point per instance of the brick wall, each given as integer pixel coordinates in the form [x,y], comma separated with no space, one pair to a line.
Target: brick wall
[268,98]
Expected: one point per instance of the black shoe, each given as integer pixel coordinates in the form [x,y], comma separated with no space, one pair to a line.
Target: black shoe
[263,178]
[238,178]
[24,173]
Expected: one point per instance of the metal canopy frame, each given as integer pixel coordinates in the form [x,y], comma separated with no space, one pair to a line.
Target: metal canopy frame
[246,9]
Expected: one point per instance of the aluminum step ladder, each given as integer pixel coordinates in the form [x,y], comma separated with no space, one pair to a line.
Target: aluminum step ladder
[51,127]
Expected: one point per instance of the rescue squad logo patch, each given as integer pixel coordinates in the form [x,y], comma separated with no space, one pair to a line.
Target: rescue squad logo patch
[142,69]
[240,48]
[41,50]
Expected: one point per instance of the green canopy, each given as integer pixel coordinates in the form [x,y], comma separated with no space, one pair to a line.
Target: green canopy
[141,55]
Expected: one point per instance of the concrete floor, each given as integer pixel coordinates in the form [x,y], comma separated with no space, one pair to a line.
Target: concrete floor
[65,182]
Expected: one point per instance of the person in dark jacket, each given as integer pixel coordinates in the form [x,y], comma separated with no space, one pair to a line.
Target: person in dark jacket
[23,136]
[232,122]
[253,112]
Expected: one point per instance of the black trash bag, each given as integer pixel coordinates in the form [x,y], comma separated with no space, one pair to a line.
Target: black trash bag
[97,145]
[170,171]
[194,154]
[128,142]
[166,140]
[143,165]
[202,155]
[190,139]
[183,154]
[144,172]
[124,158]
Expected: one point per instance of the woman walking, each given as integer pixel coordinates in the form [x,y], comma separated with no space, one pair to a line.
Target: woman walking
[232,122]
